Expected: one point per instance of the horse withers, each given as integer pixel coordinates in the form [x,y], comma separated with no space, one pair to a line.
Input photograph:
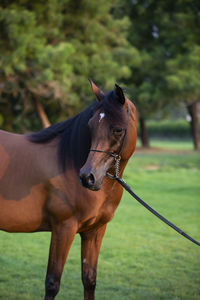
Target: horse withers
[55,180]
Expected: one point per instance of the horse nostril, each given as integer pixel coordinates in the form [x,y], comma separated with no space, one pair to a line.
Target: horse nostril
[91,179]
[87,180]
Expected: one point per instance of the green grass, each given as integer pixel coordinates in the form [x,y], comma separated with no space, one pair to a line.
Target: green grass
[141,258]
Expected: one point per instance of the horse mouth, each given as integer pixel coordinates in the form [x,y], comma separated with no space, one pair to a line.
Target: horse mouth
[90,187]
[94,188]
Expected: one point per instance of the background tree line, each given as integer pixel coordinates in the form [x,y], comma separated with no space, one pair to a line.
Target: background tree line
[49,49]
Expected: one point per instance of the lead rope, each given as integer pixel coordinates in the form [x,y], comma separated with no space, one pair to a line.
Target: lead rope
[116,177]
[177,229]
[129,190]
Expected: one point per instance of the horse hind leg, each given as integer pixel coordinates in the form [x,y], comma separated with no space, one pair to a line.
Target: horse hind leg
[61,240]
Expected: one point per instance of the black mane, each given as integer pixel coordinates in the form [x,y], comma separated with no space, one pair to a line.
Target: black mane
[75,139]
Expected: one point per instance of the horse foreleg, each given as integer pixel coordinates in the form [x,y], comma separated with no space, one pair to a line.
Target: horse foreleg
[61,240]
[90,247]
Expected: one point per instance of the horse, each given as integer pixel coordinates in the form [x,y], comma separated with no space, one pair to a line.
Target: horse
[56,180]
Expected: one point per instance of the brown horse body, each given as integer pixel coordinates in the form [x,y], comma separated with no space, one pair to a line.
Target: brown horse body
[37,195]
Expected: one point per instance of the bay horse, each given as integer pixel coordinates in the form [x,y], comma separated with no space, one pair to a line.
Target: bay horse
[55,180]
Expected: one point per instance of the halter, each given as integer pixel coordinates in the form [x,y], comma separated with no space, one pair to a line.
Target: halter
[117,158]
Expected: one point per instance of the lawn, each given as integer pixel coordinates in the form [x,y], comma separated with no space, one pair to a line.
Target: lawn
[141,258]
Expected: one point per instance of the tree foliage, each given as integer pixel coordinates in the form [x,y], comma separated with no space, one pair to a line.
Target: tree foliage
[48,50]
[167,37]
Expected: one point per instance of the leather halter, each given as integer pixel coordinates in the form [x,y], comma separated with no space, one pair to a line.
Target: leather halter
[117,158]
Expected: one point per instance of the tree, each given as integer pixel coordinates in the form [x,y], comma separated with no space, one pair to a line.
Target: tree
[147,75]
[31,67]
[48,52]
[183,76]
[167,37]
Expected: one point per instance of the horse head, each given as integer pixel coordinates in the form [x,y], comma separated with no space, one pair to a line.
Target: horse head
[113,129]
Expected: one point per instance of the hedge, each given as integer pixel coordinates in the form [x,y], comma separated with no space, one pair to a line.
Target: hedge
[169,128]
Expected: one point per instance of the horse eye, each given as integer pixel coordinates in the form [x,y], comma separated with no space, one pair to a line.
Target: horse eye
[117,131]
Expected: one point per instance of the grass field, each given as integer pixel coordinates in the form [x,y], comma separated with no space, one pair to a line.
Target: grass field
[141,258]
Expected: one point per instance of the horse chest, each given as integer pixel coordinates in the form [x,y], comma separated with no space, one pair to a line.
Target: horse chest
[96,220]
[99,215]
[107,213]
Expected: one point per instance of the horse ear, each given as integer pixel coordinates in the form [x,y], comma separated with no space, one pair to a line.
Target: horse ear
[120,94]
[97,91]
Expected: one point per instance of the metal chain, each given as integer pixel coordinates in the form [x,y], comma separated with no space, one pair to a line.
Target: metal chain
[117,167]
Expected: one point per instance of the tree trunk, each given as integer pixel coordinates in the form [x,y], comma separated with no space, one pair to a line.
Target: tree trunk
[193,112]
[41,113]
[144,133]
